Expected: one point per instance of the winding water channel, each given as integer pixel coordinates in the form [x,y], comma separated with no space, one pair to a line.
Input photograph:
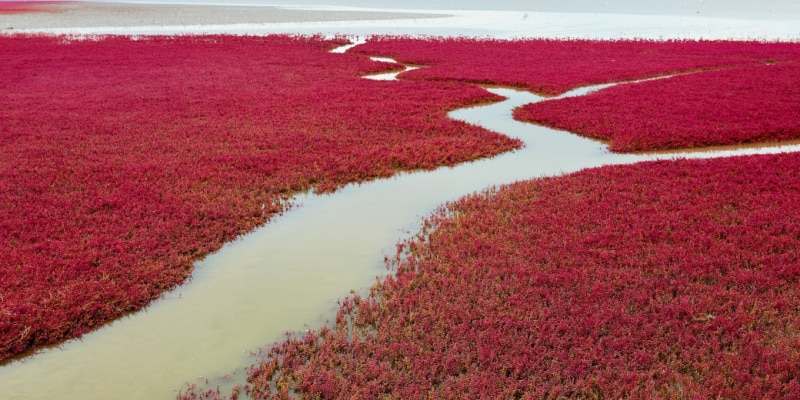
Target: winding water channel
[291,272]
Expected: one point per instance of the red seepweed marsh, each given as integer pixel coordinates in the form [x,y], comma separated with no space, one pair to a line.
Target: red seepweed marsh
[127,160]
[632,281]
[660,279]
[241,145]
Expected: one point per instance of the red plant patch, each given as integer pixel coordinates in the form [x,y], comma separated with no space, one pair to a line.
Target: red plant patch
[19,7]
[552,67]
[750,96]
[671,279]
[731,106]
[126,159]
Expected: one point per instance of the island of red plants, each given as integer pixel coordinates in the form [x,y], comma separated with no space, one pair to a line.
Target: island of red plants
[125,159]
[671,279]
[723,107]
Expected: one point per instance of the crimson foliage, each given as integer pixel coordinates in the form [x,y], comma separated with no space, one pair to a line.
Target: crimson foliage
[669,279]
[741,92]
[551,67]
[126,159]
[724,107]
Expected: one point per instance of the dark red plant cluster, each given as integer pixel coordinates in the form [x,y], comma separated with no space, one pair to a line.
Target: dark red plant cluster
[19,7]
[723,107]
[551,66]
[126,159]
[670,279]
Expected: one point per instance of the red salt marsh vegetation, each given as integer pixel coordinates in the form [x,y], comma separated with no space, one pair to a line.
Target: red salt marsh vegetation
[550,66]
[18,7]
[126,159]
[737,92]
[670,279]
[759,103]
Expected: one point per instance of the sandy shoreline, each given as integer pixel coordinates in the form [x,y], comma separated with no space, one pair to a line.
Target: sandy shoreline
[101,14]
[439,18]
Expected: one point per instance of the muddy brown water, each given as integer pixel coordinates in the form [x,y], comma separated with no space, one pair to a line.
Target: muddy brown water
[288,275]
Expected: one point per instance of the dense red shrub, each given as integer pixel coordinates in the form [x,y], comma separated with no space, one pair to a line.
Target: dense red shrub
[126,159]
[18,7]
[731,106]
[671,279]
[550,66]
[750,96]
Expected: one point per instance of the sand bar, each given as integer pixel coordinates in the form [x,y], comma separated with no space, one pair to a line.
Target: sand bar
[120,15]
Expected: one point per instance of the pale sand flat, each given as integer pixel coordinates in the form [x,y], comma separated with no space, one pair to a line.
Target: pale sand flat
[99,14]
